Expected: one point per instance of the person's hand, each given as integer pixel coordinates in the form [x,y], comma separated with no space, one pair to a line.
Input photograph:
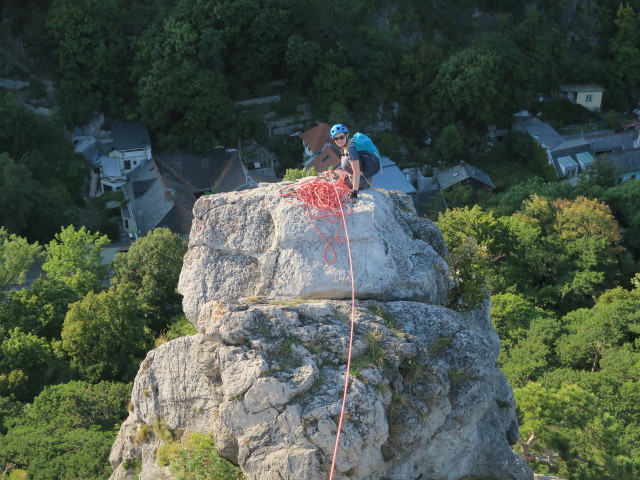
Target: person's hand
[353,195]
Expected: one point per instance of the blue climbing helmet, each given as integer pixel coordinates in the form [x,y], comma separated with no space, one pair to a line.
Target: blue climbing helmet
[338,128]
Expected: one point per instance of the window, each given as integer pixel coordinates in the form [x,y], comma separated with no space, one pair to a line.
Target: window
[127,164]
[588,98]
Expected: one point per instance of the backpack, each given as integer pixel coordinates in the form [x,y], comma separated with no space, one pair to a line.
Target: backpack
[368,153]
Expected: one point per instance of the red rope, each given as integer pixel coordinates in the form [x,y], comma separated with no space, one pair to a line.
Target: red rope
[324,199]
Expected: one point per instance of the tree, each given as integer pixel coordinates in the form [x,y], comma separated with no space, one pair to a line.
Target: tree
[75,258]
[105,336]
[151,268]
[612,322]
[40,309]
[24,359]
[563,432]
[178,73]
[16,257]
[91,52]
[571,248]
[449,145]
[475,240]
[469,87]
[16,194]
[67,432]
[40,174]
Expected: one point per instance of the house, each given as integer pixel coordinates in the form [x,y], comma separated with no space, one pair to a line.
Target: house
[464,174]
[390,177]
[131,149]
[328,157]
[315,139]
[162,192]
[155,200]
[569,157]
[587,95]
[626,164]
[220,170]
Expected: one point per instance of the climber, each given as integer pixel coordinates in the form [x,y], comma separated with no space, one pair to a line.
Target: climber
[360,172]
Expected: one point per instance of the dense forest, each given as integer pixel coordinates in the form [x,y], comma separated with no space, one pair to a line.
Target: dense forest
[426,79]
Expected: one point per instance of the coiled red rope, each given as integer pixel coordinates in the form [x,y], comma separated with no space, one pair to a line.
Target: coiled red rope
[325,199]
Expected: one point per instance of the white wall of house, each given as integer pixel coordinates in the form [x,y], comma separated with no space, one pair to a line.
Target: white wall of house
[131,159]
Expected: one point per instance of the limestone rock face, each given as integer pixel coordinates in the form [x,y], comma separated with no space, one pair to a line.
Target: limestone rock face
[265,373]
[263,245]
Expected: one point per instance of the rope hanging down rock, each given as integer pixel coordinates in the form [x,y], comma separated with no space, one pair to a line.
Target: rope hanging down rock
[325,199]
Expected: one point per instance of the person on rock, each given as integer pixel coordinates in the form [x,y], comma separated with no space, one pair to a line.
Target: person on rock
[360,172]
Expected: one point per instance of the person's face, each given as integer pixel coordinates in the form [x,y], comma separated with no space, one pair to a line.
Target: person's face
[340,139]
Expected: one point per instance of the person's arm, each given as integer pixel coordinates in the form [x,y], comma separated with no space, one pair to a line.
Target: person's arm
[355,165]
[354,159]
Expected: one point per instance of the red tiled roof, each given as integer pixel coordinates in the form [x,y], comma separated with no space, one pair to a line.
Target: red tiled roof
[316,137]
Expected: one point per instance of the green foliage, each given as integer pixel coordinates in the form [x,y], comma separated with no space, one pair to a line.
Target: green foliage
[151,269]
[475,239]
[180,326]
[75,257]
[195,457]
[104,336]
[67,431]
[23,358]
[40,175]
[40,309]
[469,86]
[449,145]
[16,256]
[92,54]
[293,174]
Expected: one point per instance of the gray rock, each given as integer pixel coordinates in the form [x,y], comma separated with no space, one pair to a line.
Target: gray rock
[263,245]
[266,377]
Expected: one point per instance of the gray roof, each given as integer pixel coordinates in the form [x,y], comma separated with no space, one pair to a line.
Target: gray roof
[220,170]
[152,207]
[572,143]
[609,143]
[623,162]
[130,136]
[463,172]
[391,178]
[542,132]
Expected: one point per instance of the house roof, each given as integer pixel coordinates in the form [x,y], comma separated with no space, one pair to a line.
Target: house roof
[220,170]
[262,178]
[572,143]
[391,178]
[544,133]
[567,162]
[328,157]
[158,202]
[130,136]
[585,159]
[623,162]
[317,137]
[616,141]
[588,87]
[462,172]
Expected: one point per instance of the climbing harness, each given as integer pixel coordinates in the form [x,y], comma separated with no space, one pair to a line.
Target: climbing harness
[325,199]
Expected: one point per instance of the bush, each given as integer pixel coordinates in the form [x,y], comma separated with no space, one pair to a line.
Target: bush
[195,458]
[293,174]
